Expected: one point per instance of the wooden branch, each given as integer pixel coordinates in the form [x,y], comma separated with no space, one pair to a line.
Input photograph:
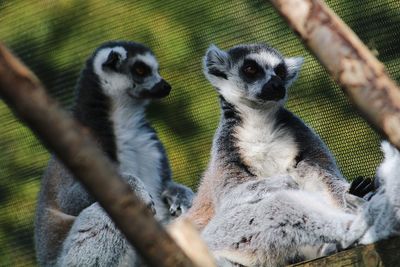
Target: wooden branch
[382,253]
[188,238]
[74,146]
[348,60]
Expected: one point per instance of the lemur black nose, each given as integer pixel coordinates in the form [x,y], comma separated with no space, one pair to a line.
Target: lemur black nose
[273,90]
[160,89]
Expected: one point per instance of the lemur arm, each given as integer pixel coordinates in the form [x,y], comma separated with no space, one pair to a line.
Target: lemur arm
[311,177]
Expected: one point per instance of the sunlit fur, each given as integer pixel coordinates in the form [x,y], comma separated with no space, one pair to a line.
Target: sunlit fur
[272,222]
[259,140]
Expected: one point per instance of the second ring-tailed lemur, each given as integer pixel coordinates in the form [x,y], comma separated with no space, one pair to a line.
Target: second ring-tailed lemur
[114,88]
[257,137]
[272,222]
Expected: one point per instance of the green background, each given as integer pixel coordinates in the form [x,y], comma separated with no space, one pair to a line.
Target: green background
[54,38]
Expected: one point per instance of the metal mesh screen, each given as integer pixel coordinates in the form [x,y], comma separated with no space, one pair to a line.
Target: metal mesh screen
[54,38]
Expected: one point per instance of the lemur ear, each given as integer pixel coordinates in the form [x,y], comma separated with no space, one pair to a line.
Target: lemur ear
[293,65]
[113,61]
[216,62]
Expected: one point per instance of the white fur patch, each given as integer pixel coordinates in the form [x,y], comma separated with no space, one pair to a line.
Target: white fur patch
[267,149]
[293,65]
[137,152]
[112,83]
[149,59]
[265,58]
[390,166]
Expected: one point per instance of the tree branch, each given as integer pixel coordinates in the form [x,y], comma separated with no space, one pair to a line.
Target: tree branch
[187,237]
[381,253]
[74,146]
[362,77]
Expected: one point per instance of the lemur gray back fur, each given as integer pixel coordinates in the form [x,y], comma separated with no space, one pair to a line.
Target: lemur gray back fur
[257,136]
[272,222]
[94,240]
[93,227]
[114,88]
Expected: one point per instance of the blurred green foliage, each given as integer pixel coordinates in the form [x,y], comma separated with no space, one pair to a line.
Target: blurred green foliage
[54,38]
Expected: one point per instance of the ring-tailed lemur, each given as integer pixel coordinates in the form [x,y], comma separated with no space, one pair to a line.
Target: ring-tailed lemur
[257,137]
[272,222]
[114,88]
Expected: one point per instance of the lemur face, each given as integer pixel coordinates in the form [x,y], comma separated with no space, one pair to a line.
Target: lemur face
[129,69]
[255,75]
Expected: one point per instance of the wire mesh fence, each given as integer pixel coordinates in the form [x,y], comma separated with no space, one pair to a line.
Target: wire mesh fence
[54,38]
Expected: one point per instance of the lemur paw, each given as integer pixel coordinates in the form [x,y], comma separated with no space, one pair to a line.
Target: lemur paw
[178,198]
[139,188]
[152,206]
[362,187]
[147,200]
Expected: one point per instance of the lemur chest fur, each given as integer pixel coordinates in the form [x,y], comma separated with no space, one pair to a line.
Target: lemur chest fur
[137,150]
[264,146]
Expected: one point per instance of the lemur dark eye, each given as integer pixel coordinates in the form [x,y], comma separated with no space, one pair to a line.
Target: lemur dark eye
[281,71]
[250,70]
[141,69]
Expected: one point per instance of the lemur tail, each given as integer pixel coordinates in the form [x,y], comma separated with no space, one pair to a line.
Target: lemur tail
[383,207]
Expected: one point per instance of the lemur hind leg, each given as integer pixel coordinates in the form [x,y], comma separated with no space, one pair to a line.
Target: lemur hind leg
[276,228]
[94,240]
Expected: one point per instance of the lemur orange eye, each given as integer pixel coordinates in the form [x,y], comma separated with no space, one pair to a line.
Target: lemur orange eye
[141,69]
[250,70]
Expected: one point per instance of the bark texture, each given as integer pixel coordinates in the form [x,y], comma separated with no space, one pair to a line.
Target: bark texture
[188,238]
[382,253]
